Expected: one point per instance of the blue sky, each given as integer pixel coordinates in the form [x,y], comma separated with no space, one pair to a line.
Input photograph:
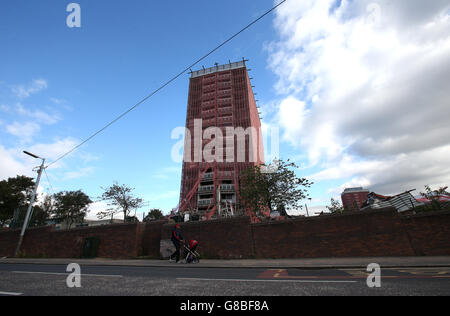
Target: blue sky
[123,51]
[58,85]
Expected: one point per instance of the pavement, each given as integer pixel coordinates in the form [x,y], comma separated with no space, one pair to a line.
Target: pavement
[412,276]
[316,263]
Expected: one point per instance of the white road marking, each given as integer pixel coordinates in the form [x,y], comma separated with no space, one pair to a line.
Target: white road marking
[262,280]
[66,274]
[10,293]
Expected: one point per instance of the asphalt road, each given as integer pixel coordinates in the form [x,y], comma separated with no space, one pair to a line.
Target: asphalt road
[181,280]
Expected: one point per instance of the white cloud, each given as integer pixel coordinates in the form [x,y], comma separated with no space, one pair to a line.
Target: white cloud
[82,172]
[95,208]
[366,91]
[38,115]
[57,101]
[53,151]
[61,103]
[14,162]
[291,115]
[24,131]
[25,91]
[312,210]
[10,166]
[87,157]
[4,108]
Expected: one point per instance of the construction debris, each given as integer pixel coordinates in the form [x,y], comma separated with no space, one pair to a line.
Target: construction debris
[402,202]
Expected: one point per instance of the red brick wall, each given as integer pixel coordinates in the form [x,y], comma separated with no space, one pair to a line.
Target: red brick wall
[429,233]
[37,241]
[359,234]
[377,233]
[151,239]
[8,240]
[224,238]
[116,241]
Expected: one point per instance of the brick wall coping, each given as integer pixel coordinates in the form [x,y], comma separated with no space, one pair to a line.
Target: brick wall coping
[214,221]
[327,216]
[426,214]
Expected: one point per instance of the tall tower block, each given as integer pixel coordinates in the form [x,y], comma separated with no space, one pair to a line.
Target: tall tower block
[221,99]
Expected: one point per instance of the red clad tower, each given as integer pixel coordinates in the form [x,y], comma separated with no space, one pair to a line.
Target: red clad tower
[223,137]
[353,198]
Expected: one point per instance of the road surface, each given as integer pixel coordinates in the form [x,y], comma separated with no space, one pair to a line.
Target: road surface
[182,280]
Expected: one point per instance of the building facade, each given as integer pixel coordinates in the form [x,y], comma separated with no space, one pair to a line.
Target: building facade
[353,198]
[223,137]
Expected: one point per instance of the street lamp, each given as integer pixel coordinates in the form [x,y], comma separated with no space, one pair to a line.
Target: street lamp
[33,197]
[32,155]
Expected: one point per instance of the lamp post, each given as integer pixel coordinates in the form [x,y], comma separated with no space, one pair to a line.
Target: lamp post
[30,207]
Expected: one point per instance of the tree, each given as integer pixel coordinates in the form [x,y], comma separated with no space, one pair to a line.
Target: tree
[279,189]
[434,196]
[71,207]
[42,212]
[153,215]
[335,207]
[15,196]
[132,219]
[121,200]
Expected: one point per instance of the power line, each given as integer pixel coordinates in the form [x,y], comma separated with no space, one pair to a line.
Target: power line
[166,84]
[48,180]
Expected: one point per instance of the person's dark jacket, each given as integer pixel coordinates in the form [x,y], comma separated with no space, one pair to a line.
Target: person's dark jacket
[176,235]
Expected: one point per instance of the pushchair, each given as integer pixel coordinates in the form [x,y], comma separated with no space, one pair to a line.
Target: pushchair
[192,256]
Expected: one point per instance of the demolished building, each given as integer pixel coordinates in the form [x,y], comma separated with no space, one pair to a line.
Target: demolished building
[401,202]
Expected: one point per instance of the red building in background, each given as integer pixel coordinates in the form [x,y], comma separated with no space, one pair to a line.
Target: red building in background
[220,100]
[353,198]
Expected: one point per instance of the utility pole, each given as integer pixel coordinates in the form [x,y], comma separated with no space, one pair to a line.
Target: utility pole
[30,207]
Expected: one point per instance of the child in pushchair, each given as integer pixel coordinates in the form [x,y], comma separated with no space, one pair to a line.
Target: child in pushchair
[192,255]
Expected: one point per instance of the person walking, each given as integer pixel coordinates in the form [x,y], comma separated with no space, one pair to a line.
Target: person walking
[177,240]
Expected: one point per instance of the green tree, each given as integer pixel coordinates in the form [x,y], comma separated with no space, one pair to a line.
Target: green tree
[42,212]
[279,189]
[120,200]
[15,196]
[335,207]
[131,219]
[71,207]
[433,196]
[153,215]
